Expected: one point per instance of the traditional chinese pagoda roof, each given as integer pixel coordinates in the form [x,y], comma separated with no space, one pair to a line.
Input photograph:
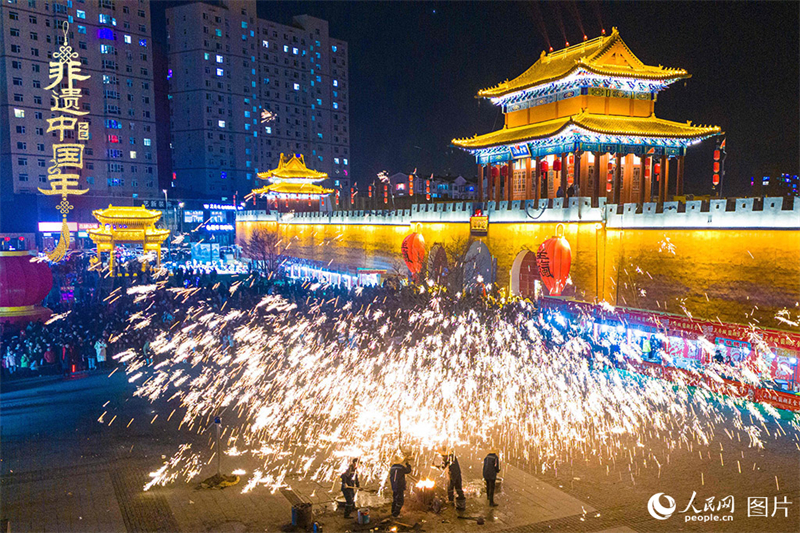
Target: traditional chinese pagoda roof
[602,124]
[604,55]
[126,215]
[292,168]
[292,188]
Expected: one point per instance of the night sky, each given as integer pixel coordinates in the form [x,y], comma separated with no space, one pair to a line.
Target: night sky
[415,69]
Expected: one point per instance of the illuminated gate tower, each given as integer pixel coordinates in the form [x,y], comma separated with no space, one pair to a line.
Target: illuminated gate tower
[584,115]
[293,186]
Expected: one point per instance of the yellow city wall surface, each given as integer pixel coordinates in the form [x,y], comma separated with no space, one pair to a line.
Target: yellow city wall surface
[738,276]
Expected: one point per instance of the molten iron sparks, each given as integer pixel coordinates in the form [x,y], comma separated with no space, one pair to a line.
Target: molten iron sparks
[306,387]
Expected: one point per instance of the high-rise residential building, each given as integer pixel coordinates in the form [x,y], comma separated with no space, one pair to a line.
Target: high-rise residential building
[113,41]
[243,90]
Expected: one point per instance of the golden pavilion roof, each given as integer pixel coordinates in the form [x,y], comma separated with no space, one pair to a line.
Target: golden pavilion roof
[292,168]
[126,215]
[292,188]
[603,124]
[604,55]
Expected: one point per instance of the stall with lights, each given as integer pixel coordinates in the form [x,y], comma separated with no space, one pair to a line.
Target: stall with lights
[581,122]
[293,186]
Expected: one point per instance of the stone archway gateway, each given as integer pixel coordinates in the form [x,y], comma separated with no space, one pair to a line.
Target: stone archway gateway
[525,278]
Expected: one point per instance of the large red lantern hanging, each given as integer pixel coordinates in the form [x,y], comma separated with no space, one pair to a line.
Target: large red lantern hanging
[495,172]
[544,166]
[413,249]
[555,258]
[557,165]
[24,283]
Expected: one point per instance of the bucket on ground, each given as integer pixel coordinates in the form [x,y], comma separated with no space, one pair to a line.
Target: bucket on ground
[363,516]
[301,515]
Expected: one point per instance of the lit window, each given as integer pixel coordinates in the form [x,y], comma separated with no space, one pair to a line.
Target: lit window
[220,72]
[345,161]
[103,19]
[221,123]
[285,48]
[265,44]
[335,83]
[81,14]
[127,39]
[296,86]
[336,160]
[333,48]
[142,42]
[336,105]
[220,59]
[133,154]
[19,113]
[244,25]
[147,142]
[269,129]
[294,51]
[218,32]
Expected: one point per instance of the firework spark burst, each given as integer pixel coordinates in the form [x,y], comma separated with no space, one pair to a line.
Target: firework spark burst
[306,386]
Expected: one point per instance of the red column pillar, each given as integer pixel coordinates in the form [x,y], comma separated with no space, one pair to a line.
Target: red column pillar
[510,181]
[480,183]
[618,179]
[596,179]
[528,178]
[488,181]
[679,177]
[663,180]
[642,179]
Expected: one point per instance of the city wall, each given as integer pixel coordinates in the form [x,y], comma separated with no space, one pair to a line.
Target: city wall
[720,260]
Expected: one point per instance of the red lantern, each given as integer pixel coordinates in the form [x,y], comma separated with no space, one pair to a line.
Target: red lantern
[716,155]
[411,185]
[557,165]
[385,194]
[504,170]
[715,180]
[555,259]
[544,166]
[716,167]
[23,285]
[495,172]
[370,191]
[413,249]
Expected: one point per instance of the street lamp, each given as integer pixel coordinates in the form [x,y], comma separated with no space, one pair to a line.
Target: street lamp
[166,207]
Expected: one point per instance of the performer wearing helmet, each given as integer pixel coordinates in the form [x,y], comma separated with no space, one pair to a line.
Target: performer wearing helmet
[454,481]
[397,479]
[349,484]
[491,466]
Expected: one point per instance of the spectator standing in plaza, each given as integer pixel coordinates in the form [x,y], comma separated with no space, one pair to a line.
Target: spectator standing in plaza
[100,351]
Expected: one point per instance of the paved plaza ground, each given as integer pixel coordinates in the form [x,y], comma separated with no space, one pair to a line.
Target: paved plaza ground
[62,470]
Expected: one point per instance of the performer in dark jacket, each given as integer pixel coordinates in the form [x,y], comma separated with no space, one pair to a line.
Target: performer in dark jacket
[454,481]
[349,484]
[397,478]
[491,466]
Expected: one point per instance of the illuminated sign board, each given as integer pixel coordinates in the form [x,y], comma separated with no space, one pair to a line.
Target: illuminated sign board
[520,150]
[219,227]
[479,225]
[192,216]
[223,207]
[55,227]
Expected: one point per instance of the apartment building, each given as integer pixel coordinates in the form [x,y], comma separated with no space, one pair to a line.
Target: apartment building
[243,90]
[113,41]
